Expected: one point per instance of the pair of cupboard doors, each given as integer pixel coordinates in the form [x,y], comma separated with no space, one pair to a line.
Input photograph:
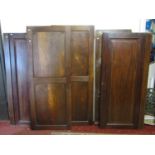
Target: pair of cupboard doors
[57,72]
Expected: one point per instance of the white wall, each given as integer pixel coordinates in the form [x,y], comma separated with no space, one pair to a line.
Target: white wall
[15,15]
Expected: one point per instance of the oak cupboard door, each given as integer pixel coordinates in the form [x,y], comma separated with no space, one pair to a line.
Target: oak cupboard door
[81,74]
[98,48]
[125,59]
[48,56]
[16,62]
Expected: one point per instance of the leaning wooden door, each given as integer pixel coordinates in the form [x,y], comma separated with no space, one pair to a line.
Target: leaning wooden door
[16,63]
[81,71]
[49,54]
[125,59]
[98,49]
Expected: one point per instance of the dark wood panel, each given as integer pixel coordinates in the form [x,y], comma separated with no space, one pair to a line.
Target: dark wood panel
[82,41]
[80,105]
[49,45]
[16,59]
[79,53]
[122,80]
[48,58]
[51,104]
[98,48]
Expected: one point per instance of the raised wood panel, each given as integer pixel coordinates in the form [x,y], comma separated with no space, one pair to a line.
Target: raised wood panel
[49,45]
[98,49]
[80,104]
[51,104]
[122,81]
[16,60]
[79,53]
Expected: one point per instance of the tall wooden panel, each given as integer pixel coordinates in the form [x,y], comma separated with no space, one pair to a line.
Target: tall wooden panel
[98,48]
[48,55]
[82,74]
[61,65]
[125,59]
[3,97]
[16,60]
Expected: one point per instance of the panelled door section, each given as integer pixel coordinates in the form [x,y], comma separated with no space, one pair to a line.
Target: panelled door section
[98,49]
[48,47]
[81,74]
[123,82]
[16,59]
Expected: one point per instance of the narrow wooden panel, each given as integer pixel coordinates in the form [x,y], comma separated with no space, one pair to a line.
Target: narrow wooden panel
[49,45]
[51,104]
[79,53]
[21,55]
[82,74]
[16,60]
[123,60]
[80,102]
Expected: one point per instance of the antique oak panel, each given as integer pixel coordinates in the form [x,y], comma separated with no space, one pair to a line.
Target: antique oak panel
[16,60]
[125,60]
[98,48]
[49,54]
[82,74]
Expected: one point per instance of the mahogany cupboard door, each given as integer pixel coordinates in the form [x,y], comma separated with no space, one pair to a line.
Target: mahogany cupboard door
[98,48]
[16,63]
[125,59]
[81,74]
[49,75]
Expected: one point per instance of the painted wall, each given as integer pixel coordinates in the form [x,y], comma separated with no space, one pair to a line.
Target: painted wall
[15,15]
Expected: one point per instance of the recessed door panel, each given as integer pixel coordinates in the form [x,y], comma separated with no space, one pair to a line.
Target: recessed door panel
[79,98]
[80,53]
[49,54]
[51,104]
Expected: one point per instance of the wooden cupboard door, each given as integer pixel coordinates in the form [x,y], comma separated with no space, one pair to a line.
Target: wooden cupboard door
[48,49]
[123,81]
[81,73]
[16,59]
[98,49]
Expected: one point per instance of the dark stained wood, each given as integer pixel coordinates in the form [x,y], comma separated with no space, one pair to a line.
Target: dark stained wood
[49,72]
[82,74]
[16,61]
[98,48]
[3,97]
[125,60]
[61,64]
